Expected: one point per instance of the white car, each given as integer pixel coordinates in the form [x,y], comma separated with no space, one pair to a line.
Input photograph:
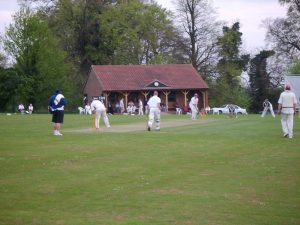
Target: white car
[225,109]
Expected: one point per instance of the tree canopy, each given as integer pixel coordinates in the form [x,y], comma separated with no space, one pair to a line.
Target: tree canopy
[40,63]
[53,43]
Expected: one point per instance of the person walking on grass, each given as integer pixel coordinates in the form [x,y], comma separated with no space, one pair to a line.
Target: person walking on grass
[287,107]
[194,106]
[154,111]
[56,106]
[267,106]
[99,110]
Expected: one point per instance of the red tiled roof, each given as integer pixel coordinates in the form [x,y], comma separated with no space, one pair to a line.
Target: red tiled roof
[138,77]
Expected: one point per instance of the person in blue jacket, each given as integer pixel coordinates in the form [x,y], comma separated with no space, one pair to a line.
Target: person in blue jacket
[56,106]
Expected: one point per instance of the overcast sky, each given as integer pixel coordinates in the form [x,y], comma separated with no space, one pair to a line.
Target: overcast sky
[7,8]
[249,13]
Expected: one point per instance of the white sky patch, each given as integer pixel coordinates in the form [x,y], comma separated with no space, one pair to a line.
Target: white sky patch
[6,19]
[250,14]
[7,10]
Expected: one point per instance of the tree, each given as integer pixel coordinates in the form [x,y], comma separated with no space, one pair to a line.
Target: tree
[9,82]
[231,63]
[137,33]
[293,4]
[39,62]
[284,33]
[197,20]
[261,86]
[3,60]
[295,68]
[112,32]
[230,67]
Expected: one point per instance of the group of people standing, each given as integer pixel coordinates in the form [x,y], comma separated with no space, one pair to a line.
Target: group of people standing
[286,107]
[131,108]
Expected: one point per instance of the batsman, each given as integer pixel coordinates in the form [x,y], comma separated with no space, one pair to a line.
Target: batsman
[194,106]
[99,110]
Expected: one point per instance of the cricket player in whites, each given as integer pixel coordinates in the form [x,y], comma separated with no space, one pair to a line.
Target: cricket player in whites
[99,109]
[194,106]
[287,108]
[267,106]
[154,111]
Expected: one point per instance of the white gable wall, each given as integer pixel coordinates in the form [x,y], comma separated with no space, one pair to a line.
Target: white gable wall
[294,82]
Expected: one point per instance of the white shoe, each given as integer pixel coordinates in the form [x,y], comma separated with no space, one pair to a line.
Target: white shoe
[57,133]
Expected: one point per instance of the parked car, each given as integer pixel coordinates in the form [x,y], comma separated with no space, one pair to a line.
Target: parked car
[225,109]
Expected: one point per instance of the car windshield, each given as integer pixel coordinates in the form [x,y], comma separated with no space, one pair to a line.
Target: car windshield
[223,106]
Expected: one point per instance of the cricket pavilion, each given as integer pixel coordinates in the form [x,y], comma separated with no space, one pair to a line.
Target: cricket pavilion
[176,84]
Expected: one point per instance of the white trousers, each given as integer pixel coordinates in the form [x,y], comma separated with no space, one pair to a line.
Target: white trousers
[141,111]
[194,112]
[154,113]
[266,110]
[287,124]
[98,115]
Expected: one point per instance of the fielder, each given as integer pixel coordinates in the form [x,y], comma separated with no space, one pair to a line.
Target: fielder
[194,106]
[287,107]
[267,106]
[154,111]
[99,110]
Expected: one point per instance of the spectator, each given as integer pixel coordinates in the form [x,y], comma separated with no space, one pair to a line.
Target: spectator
[30,108]
[141,112]
[88,109]
[56,106]
[21,108]
[110,109]
[122,106]
[117,108]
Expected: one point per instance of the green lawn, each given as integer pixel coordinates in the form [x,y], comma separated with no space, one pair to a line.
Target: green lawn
[221,171]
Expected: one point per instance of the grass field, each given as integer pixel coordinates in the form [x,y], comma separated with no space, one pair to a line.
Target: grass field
[218,171]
